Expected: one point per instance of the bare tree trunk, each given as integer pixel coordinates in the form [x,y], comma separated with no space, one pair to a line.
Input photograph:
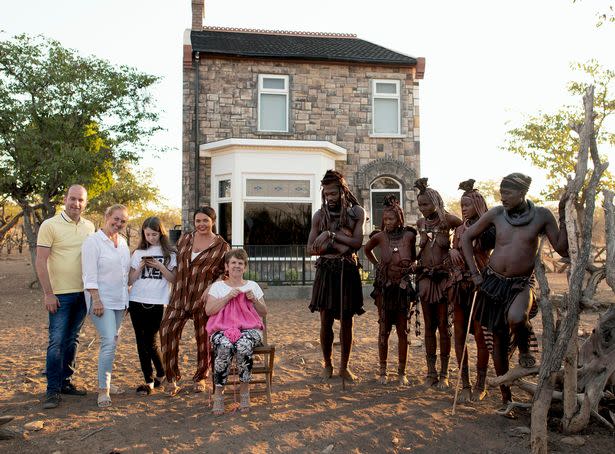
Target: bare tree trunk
[579,254]
[29,229]
[598,367]
[540,410]
[609,225]
[4,229]
[570,382]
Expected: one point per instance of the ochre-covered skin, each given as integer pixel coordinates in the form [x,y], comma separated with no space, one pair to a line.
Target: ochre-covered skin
[432,276]
[518,225]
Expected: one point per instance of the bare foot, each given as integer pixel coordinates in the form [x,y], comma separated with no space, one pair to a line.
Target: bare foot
[443,384]
[507,410]
[382,379]
[465,395]
[326,373]
[527,360]
[347,375]
[479,393]
[430,381]
[402,380]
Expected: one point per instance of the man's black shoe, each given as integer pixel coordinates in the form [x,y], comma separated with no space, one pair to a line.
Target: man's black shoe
[72,390]
[52,401]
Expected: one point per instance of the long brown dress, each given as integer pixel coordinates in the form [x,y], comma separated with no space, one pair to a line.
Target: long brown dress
[193,278]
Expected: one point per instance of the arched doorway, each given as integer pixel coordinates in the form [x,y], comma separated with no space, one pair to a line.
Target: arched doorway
[379,189]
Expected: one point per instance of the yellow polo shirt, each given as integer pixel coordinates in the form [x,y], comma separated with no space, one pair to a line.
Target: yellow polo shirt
[64,237]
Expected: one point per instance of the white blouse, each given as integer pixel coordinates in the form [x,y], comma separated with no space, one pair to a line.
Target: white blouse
[106,268]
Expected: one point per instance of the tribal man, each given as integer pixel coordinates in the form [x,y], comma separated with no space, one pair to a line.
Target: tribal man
[335,236]
[432,276]
[393,292]
[506,297]
[461,291]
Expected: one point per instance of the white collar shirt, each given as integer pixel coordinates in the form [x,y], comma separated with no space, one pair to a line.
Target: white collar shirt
[106,268]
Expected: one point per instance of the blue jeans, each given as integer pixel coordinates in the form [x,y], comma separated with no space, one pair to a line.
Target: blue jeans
[108,327]
[64,328]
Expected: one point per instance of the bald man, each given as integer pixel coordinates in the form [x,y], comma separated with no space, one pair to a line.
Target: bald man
[58,265]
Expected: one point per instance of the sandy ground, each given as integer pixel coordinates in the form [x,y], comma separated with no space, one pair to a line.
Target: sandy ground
[305,416]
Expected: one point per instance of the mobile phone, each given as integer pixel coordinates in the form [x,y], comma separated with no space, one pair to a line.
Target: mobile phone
[147,257]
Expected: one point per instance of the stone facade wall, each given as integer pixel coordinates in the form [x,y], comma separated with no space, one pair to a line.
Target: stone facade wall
[330,102]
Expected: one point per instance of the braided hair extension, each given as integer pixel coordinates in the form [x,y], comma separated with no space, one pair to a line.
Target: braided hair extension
[347,199]
[391,203]
[433,196]
[478,201]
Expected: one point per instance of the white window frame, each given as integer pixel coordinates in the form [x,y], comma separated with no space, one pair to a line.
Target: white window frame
[216,199]
[260,199]
[220,179]
[372,190]
[275,91]
[396,96]
[274,176]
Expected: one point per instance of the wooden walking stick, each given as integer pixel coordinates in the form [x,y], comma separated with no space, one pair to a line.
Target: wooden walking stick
[463,354]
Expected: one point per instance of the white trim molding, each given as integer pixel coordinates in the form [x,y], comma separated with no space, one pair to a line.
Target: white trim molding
[207,150]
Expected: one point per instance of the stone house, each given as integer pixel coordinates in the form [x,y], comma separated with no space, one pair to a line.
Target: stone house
[266,113]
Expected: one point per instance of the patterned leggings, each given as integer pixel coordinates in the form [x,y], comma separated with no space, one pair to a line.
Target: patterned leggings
[224,350]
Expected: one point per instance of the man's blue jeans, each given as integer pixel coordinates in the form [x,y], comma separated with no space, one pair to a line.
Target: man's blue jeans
[64,328]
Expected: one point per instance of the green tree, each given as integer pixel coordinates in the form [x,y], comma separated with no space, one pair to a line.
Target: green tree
[133,189]
[127,186]
[550,140]
[65,119]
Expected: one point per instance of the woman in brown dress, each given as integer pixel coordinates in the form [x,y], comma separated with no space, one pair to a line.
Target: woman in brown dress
[200,261]
[432,275]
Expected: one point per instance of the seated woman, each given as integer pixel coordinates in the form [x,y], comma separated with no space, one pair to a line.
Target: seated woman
[235,307]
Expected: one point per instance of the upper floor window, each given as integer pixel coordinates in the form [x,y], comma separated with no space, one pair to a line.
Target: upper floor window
[272,103]
[385,107]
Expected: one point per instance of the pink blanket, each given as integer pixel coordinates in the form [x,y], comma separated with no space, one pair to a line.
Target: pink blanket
[238,314]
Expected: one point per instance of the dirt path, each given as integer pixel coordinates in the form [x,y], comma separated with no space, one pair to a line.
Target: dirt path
[306,416]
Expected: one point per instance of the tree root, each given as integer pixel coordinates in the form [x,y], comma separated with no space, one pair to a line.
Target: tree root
[513,374]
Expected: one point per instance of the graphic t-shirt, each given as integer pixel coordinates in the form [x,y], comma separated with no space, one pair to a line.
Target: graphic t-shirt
[151,287]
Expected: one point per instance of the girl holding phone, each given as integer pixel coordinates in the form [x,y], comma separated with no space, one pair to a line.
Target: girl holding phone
[151,275]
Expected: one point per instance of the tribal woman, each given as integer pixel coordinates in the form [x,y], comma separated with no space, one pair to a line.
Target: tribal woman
[432,276]
[393,292]
[461,291]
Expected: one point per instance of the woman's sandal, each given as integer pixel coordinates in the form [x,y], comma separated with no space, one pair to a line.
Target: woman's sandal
[200,386]
[218,407]
[244,402]
[172,388]
[144,390]
[104,401]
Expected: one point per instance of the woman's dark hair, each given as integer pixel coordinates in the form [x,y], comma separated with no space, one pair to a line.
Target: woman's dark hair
[391,203]
[156,225]
[210,213]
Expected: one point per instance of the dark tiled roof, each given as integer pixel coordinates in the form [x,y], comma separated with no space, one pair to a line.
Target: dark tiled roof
[296,46]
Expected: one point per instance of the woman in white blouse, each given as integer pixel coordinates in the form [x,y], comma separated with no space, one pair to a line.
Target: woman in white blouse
[105,261]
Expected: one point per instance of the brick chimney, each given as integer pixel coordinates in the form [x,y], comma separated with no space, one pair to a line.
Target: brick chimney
[198,14]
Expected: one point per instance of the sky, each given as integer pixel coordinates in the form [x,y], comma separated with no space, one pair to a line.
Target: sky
[489,63]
